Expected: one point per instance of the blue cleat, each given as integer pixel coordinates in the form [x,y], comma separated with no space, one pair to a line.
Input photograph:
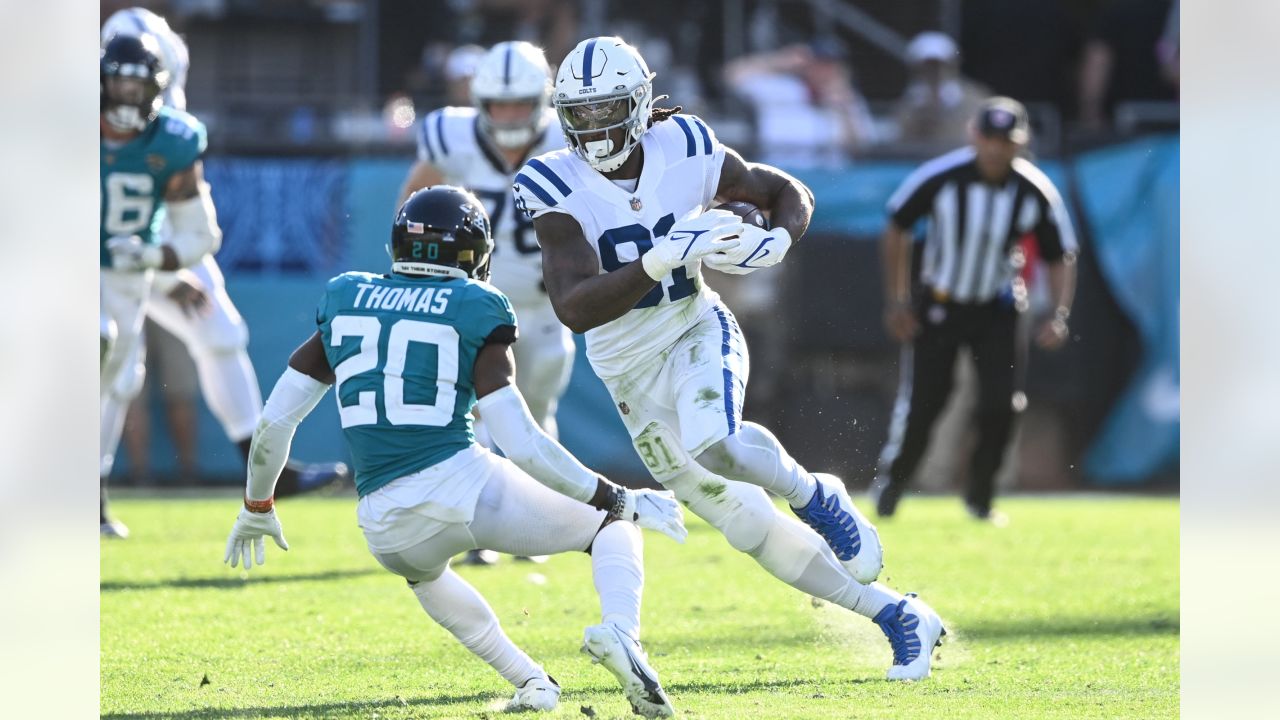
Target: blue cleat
[911,626]
[852,537]
[298,478]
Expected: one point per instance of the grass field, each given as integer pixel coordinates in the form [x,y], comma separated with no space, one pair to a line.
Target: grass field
[1070,612]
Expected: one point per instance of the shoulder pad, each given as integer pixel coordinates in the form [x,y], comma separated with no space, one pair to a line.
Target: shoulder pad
[686,136]
[446,132]
[542,182]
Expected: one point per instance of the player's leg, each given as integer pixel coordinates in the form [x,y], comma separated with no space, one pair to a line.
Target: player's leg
[998,363]
[123,298]
[792,552]
[544,362]
[926,372]
[218,342]
[710,365]
[418,548]
[518,515]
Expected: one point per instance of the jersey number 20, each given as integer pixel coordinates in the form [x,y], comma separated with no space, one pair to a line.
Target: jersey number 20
[403,332]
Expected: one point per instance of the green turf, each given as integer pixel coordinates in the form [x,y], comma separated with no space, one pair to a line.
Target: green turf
[1070,612]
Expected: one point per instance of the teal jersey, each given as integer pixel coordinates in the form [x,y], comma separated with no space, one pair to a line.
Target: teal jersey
[134,175]
[404,351]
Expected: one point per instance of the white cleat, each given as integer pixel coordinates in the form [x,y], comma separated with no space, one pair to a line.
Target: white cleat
[621,655]
[914,630]
[536,694]
[851,536]
[113,529]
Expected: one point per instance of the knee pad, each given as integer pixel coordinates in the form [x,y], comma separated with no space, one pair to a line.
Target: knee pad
[750,518]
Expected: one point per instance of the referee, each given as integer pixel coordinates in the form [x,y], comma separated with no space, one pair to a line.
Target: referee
[980,200]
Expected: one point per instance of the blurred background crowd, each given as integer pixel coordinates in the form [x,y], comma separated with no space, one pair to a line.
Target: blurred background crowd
[312,107]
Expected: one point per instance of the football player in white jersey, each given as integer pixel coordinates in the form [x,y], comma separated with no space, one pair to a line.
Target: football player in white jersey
[481,148]
[193,305]
[622,216]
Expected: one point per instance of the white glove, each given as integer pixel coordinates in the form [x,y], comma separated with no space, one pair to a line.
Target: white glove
[248,530]
[654,510]
[691,240]
[759,249]
[130,254]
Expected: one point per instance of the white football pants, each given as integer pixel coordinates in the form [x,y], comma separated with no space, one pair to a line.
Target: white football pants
[516,514]
[217,342]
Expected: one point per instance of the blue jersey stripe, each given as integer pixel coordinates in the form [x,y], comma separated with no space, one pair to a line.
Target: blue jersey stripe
[706,138]
[550,174]
[586,63]
[424,140]
[691,146]
[730,381]
[444,149]
[536,189]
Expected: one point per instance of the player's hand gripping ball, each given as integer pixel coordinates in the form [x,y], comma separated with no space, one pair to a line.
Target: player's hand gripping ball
[760,246]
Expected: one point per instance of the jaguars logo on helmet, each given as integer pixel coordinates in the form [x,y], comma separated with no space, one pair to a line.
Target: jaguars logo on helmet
[441,230]
[132,78]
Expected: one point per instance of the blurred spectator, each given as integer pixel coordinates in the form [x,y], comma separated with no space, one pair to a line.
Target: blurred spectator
[936,107]
[1027,50]
[458,69]
[806,108]
[1123,58]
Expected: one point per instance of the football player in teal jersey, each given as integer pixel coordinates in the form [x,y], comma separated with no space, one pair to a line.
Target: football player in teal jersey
[150,167]
[411,353]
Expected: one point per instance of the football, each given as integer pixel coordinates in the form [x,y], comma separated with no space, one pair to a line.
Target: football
[745,210]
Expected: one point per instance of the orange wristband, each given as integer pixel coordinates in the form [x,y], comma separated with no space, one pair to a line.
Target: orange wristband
[260,506]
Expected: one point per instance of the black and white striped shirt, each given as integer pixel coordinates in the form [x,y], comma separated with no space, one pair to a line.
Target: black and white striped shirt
[971,248]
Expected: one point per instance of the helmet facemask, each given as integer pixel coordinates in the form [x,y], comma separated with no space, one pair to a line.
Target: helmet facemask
[512,134]
[131,82]
[587,125]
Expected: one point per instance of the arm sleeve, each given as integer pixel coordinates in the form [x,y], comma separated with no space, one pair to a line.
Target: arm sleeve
[195,227]
[540,189]
[913,197]
[293,398]
[509,423]
[497,321]
[711,152]
[1055,235]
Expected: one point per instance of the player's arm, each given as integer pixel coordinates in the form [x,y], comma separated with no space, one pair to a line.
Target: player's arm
[422,174]
[532,450]
[189,205]
[584,298]
[788,201]
[294,396]
[895,261]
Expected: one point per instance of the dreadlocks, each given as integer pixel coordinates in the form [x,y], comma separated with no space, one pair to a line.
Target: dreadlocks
[659,114]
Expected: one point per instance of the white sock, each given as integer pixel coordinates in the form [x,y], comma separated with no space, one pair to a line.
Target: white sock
[231,390]
[110,427]
[866,600]
[753,455]
[617,567]
[453,603]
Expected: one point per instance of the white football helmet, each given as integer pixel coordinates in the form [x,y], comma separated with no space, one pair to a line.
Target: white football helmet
[602,85]
[137,21]
[514,72]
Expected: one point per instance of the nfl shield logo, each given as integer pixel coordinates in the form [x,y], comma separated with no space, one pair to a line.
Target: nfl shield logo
[622,406]
[635,204]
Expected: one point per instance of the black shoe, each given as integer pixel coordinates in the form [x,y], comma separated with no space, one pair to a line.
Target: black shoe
[885,494]
[483,558]
[298,478]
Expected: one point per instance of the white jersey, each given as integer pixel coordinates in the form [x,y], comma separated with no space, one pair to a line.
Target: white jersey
[681,172]
[449,139]
[136,21]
